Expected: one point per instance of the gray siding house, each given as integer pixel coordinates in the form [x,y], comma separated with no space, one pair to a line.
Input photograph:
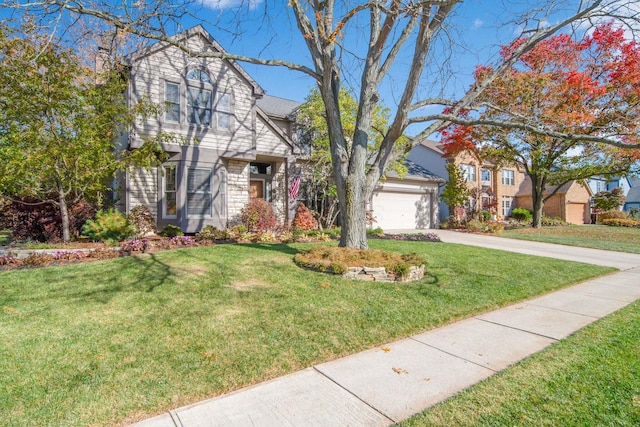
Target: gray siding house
[228,150]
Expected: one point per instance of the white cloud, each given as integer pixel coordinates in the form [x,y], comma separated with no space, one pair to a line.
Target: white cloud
[477,23]
[231,4]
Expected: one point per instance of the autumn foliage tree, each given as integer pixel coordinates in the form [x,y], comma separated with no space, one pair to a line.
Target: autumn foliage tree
[561,87]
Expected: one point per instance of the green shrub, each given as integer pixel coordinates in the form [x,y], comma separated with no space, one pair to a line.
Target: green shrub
[484,216]
[621,222]
[475,225]
[337,268]
[375,232]
[400,269]
[494,227]
[258,216]
[171,231]
[238,231]
[109,226]
[210,233]
[521,214]
[634,213]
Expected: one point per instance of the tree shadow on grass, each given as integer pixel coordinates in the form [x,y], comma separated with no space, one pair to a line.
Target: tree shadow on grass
[284,248]
[150,272]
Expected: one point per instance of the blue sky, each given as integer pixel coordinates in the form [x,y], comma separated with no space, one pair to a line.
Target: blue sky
[278,37]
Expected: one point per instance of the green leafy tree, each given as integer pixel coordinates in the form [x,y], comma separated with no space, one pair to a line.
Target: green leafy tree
[59,128]
[609,200]
[455,191]
[319,187]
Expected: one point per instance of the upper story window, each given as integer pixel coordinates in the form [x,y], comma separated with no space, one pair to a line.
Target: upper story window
[195,101]
[198,106]
[223,111]
[468,172]
[508,177]
[198,75]
[172,101]
[486,175]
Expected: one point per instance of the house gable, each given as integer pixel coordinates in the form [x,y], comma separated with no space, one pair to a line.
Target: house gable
[223,143]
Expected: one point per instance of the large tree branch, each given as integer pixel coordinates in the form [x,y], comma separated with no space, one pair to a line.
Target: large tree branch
[474,93]
[146,31]
[578,137]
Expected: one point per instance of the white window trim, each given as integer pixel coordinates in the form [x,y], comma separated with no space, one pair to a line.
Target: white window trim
[164,191]
[508,179]
[165,82]
[469,172]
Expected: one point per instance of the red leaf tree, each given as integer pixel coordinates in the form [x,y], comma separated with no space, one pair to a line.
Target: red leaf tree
[559,89]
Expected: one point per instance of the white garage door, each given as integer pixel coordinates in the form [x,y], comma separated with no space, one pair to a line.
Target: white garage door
[397,210]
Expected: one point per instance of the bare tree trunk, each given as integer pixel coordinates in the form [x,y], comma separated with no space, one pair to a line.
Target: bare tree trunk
[537,194]
[64,214]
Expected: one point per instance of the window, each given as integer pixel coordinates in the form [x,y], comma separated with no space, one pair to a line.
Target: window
[198,75]
[468,172]
[198,106]
[506,205]
[486,175]
[223,111]
[172,101]
[170,203]
[508,177]
[260,168]
[199,192]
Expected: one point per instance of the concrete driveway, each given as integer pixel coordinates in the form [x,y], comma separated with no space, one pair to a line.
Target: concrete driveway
[620,260]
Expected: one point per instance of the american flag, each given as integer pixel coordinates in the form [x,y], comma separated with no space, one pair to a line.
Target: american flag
[294,189]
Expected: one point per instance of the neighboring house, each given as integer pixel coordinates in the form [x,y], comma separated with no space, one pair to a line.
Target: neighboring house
[410,202]
[633,195]
[571,202]
[233,149]
[599,183]
[493,188]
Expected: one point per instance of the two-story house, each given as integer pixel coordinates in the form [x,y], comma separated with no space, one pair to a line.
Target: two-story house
[492,188]
[228,148]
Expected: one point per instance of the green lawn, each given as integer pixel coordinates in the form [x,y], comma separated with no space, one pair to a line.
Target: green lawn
[115,341]
[622,239]
[589,379]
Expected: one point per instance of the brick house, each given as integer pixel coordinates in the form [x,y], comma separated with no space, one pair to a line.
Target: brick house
[233,149]
[493,187]
[571,202]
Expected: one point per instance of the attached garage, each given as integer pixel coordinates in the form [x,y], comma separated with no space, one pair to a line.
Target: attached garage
[410,203]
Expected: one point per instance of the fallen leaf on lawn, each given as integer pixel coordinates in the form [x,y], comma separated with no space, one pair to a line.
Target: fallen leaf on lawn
[385,349]
[10,310]
[325,284]
[399,371]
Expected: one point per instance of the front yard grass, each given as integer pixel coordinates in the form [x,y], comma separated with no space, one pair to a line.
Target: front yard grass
[588,379]
[115,341]
[622,239]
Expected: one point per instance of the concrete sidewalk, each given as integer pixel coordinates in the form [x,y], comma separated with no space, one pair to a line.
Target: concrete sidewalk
[388,384]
